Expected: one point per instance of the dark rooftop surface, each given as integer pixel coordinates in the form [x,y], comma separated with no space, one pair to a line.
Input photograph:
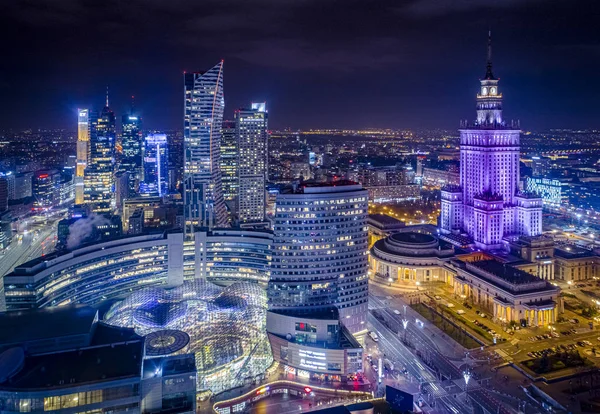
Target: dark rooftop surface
[64,369]
[325,313]
[171,365]
[385,220]
[30,325]
[506,272]
[574,253]
[107,334]
[412,237]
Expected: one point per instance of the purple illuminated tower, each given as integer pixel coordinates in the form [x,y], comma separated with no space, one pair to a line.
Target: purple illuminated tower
[487,206]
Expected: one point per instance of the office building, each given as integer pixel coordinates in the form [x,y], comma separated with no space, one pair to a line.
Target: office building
[3,194]
[320,251]
[23,185]
[83,365]
[156,166]
[122,189]
[91,274]
[488,204]
[131,150]
[99,174]
[46,189]
[83,152]
[203,118]
[252,163]
[229,159]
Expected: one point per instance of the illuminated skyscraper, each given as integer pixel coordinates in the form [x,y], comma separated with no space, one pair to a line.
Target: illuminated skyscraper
[252,142]
[229,170]
[203,118]
[156,166]
[131,147]
[83,152]
[99,174]
[320,251]
[488,205]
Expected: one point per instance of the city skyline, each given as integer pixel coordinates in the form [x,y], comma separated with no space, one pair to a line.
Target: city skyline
[402,45]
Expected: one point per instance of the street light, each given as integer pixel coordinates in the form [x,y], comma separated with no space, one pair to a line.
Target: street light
[467,377]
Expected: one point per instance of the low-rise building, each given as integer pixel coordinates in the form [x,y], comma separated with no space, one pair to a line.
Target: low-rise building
[574,263]
[314,344]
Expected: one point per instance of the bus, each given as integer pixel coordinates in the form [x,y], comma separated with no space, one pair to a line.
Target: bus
[374,336]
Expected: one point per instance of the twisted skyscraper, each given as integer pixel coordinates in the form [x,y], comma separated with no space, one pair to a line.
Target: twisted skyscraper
[203,118]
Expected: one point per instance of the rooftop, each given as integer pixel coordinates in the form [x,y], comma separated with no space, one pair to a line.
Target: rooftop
[64,369]
[506,272]
[330,313]
[384,221]
[30,325]
[413,237]
[574,252]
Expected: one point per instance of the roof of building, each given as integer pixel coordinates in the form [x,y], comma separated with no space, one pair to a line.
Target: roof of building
[506,272]
[169,365]
[30,325]
[329,313]
[574,252]
[384,221]
[89,365]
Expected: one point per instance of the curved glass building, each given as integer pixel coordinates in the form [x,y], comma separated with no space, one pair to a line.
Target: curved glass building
[116,268]
[224,327]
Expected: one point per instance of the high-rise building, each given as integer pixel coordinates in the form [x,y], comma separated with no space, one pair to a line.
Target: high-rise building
[320,251]
[252,149]
[83,152]
[131,147]
[156,166]
[46,189]
[203,119]
[488,205]
[3,194]
[99,174]
[229,155]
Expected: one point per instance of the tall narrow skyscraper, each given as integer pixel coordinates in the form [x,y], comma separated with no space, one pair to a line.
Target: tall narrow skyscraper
[83,152]
[229,170]
[156,166]
[100,173]
[252,145]
[488,204]
[203,117]
[131,144]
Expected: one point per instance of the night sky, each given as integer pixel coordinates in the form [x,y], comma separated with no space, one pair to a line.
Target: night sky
[318,63]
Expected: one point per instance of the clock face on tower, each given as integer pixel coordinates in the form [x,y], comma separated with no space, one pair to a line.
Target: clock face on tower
[484,91]
[492,91]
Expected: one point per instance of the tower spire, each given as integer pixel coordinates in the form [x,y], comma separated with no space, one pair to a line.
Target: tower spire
[488,72]
[107,96]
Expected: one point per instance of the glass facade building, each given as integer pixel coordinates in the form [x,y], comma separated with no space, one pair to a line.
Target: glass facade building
[109,270]
[223,327]
[156,166]
[320,251]
[99,174]
[83,151]
[203,118]
[131,150]
[252,149]
[229,170]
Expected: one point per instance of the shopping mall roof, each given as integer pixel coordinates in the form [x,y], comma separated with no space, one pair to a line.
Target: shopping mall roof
[32,325]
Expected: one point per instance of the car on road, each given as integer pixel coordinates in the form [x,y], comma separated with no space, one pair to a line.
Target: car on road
[437,297]
[396,311]
[460,311]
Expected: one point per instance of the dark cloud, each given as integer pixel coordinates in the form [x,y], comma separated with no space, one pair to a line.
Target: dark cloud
[319,62]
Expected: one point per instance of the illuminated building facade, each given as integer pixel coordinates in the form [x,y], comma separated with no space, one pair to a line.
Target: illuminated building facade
[99,174]
[550,190]
[83,151]
[203,118]
[156,166]
[229,159]
[488,204]
[111,269]
[131,150]
[252,149]
[320,251]
[46,189]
